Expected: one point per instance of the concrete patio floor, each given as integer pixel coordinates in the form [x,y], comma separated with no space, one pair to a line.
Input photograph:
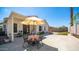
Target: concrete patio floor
[51,43]
[17,45]
[13,46]
[62,42]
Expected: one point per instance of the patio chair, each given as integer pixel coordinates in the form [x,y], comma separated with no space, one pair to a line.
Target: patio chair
[29,45]
[19,34]
[4,39]
[1,40]
[25,37]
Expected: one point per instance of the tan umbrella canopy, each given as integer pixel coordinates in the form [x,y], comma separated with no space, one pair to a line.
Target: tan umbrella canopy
[33,21]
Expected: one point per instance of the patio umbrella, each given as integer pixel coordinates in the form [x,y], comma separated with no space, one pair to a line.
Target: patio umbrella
[33,21]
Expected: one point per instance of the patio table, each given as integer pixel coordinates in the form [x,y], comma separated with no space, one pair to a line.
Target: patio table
[33,37]
[33,41]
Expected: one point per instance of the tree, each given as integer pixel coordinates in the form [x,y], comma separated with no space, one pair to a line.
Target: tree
[76,17]
[59,29]
[71,13]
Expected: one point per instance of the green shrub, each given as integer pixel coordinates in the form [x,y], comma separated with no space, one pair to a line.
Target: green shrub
[0,29]
[62,33]
[40,33]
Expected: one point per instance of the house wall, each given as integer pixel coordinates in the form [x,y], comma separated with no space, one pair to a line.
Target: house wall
[77,29]
[44,28]
[20,26]
[72,29]
[37,29]
[9,26]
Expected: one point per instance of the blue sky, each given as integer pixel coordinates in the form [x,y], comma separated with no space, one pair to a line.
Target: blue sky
[55,16]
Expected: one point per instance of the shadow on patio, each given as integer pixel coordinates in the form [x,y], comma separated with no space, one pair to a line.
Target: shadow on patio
[45,48]
[17,45]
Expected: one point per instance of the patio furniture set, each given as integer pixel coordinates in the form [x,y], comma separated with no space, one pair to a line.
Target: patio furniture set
[4,38]
[31,41]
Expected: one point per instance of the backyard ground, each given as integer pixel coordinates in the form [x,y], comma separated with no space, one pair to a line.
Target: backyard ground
[17,45]
[52,42]
[62,42]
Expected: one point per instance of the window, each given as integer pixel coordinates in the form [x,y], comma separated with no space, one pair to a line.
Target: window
[40,28]
[5,29]
[15,28]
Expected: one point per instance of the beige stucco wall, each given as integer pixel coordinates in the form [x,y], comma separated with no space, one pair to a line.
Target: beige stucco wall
[37,29]
[44,28]
[74,29]
[9,26]
[20,26]
[77,29]
[71,29]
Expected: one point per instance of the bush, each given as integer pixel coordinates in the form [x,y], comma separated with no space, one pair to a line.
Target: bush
[62,33]
[40,33]
[59,29]
[0,29]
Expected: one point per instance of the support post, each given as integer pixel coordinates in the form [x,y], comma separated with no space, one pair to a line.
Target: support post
[12,30]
